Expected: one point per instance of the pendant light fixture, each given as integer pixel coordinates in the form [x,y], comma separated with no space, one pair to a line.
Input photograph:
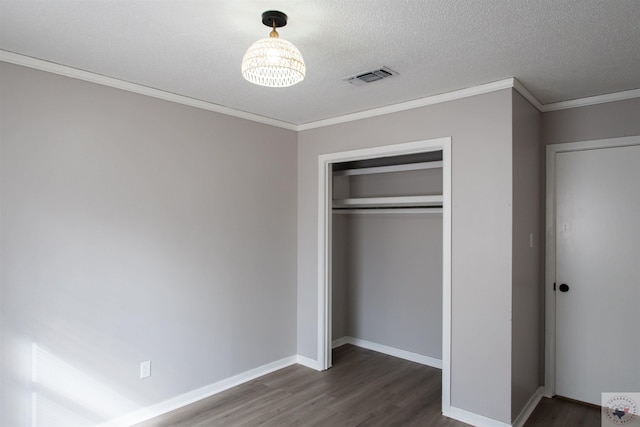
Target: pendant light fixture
[272,61]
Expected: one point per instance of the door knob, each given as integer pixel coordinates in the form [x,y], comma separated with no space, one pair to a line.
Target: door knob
[564,287]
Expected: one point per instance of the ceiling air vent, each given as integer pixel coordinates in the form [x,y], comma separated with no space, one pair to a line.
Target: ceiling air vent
[370,76]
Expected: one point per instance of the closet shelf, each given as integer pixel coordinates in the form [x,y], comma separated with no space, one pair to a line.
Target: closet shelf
[382,202]
[392,211]
[391,168]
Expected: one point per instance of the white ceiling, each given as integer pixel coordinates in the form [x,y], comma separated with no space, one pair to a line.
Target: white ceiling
[558,49]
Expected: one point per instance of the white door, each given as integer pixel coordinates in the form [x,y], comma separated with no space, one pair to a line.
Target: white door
[598,258]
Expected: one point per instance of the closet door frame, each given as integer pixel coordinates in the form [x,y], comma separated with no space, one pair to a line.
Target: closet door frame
[325,168]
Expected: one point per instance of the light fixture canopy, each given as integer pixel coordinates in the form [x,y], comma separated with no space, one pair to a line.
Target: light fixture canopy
[272,61]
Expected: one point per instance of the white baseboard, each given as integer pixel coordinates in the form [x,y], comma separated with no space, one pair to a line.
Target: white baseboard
[391,351]
[473,418]
[308,362]
[145,414]
[529,408]
[481,421]
[174,403]
[341,341]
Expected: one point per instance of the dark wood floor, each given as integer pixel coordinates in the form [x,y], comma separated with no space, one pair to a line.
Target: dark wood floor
[559,412]
[364,388]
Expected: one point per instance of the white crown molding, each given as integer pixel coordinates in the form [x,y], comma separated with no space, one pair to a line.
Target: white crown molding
[522,90]
[75,73]
[592,100]
[472,91]
[416,103]
[63,70]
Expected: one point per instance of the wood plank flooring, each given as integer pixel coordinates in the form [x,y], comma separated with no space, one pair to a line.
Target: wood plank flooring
[560,412]
[363,388]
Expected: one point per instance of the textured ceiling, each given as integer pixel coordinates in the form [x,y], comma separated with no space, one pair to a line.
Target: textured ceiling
[559,49]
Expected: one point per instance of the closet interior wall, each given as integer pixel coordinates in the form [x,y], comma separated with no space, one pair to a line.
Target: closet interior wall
[387,259]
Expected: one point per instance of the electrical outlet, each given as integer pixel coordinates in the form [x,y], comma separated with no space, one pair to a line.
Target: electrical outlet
[145,369]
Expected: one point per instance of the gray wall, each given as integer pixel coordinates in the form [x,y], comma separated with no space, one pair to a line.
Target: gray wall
[527,323]
[481,131]
[340,262]
[136,229]
[601,121]
[394,281]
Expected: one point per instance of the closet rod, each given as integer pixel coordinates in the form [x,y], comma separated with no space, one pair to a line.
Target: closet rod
[379,211]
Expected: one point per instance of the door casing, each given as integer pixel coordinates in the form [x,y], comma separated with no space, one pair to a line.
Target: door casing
[325,163]
[550,245]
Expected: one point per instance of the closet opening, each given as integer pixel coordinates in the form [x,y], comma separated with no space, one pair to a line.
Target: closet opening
[385,253]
